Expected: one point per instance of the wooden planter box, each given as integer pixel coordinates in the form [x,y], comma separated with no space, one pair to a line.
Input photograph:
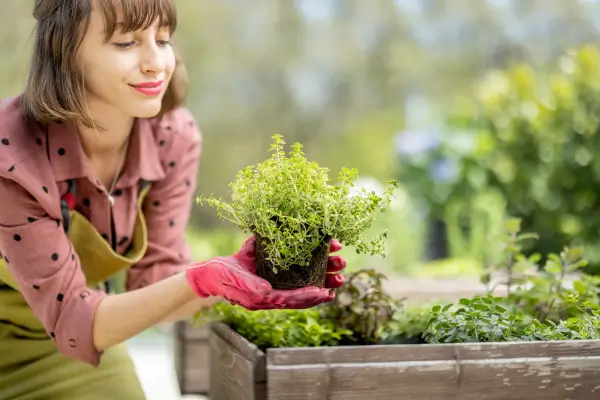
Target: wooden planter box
[477,371]
[192,343]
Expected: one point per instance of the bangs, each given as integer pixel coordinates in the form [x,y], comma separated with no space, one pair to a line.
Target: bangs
[136,15]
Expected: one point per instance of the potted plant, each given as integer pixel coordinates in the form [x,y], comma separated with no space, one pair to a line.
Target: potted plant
[288,203]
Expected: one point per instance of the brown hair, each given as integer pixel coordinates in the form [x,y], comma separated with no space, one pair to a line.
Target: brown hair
[54,91]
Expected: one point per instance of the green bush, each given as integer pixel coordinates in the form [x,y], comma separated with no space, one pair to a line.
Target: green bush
[535,138]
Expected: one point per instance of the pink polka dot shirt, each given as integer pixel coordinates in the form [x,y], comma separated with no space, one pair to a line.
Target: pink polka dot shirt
[36,164]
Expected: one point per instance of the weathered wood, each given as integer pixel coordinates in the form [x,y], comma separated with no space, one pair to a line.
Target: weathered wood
[237,367]
[558,370]
[191,332]
[507,379]
[196,375]
[192,358]
[248,350]
[434,352]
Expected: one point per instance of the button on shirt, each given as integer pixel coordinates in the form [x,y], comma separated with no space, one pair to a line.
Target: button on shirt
[35,164]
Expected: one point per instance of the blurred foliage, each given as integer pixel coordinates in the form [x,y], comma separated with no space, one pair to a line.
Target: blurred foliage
[536,138]
[335,75]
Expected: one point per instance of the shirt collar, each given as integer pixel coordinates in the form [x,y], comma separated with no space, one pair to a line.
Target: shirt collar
[68,160]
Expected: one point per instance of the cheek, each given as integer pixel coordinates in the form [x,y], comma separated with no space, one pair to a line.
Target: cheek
[97,78]
[103,70]
[170,63]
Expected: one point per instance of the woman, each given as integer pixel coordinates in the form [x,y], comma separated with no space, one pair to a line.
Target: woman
[98,164]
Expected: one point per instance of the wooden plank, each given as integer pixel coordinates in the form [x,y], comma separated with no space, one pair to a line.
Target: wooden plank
[188,331]
[248,350]
[237,368]
[195,370]
[191,358]
[505,379]
[433,352]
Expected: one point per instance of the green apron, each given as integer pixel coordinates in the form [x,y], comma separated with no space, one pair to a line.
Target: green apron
[31,368]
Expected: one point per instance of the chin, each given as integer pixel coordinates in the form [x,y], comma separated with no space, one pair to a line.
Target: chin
[146,110]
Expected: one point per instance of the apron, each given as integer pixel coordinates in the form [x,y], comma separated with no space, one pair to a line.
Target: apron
[31,368]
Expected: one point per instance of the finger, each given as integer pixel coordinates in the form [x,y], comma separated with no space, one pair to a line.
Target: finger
[334,246]
[333,281]
[249,247]
[252,286]
[309,303]
[301,298]
[336,263]
[250,301]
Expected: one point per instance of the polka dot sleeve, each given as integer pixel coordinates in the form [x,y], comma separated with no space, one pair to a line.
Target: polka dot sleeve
[168,205]
[41,259]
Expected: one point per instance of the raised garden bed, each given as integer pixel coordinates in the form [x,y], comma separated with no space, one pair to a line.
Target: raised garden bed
[192,342]
[541,340]
[556,370]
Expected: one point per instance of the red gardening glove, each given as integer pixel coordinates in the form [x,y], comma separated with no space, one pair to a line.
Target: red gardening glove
[234,278]
[335,265]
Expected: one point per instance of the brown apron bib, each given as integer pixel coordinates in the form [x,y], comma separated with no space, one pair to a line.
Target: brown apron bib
[31,368]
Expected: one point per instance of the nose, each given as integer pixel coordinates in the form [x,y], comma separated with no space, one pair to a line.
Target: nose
[152,59]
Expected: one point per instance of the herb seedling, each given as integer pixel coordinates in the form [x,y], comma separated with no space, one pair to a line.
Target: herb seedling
[288,203]
[363,307]
[276,328]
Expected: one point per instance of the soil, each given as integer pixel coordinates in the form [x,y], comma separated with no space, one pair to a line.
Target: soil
[296,276]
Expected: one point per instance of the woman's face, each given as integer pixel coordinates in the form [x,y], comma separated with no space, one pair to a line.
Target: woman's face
[130,72]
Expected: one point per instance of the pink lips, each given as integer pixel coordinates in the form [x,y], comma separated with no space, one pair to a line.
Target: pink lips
[149,88]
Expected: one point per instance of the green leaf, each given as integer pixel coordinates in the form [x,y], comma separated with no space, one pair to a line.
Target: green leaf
[573,254]
[513,226]
[554,257]
[527,236]
[580,287]
[553,268]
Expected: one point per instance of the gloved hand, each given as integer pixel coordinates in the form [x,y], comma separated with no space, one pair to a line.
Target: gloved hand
[234,278]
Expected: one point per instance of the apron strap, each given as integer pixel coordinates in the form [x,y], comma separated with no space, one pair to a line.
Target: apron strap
[67,203]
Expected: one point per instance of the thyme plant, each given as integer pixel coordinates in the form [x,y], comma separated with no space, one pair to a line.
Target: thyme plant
[289,203]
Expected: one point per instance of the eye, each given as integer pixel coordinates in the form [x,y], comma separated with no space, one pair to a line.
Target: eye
[164,42]
[123,45]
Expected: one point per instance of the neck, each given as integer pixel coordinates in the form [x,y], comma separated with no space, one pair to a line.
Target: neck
[109,140]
